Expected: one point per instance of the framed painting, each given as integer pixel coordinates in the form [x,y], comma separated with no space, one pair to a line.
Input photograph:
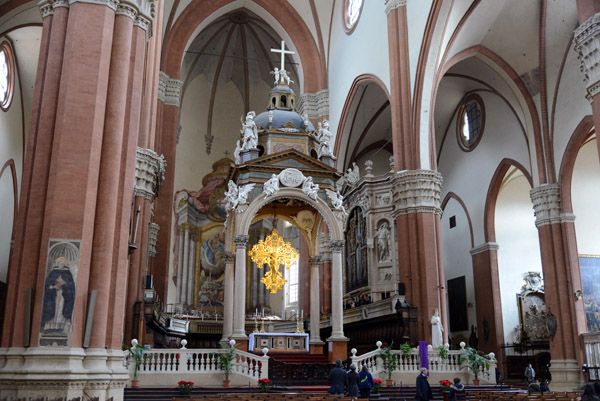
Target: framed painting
[589,266]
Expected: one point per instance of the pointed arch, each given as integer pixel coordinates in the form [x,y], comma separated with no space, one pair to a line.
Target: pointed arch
[196,12]
[11,164]
[581,134]
[492,195]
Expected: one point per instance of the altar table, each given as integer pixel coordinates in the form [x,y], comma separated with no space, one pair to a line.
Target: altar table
[279,342]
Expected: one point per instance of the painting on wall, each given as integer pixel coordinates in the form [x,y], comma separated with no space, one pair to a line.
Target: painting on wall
[590,278]
[356,251]
[62,267]
[457,303]
[210,266]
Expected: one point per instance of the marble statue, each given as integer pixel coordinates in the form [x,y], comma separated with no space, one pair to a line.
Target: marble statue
[306,121]
[271,186]
[236,153]
[276,74]
[353,174]
[336,199]
[249,132]
[383,242]
[324,136]
[284,77]
[436,329]
[309,188]
[236,196]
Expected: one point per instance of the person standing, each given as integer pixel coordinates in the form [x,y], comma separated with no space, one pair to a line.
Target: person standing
[338,379]
[353,379]
[423,388]
[529,374]
[365,382]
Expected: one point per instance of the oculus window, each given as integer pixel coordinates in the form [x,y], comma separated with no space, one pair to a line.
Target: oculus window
[471,121]
[351,13]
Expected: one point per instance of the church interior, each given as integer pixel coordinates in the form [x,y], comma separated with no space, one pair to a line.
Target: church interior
[319,178]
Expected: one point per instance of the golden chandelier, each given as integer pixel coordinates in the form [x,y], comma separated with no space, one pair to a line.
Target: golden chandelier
[273,251]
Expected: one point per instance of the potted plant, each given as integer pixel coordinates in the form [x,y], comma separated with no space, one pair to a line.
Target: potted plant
[474,361]
[389,363]
[185,387]
[442,352]
[136,352]
[225,360]
[406,350]
[376,385]
[445,387]
[264,385]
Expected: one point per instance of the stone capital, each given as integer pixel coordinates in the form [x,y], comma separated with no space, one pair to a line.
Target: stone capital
[169,90]
[417,191]
[546,204]
[153,230]
[488,246]
[149,173]
[314,105]
[337,245]
[587,46]
[314,260]
[241,241]
[393,4]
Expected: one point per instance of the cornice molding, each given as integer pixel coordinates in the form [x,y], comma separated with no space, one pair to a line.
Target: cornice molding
[393,4]
[488,246]
[169,90]
[417,191]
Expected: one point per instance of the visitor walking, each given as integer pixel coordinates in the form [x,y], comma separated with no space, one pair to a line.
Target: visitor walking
[353,379]
[365,382]
[338,379]
[423,388]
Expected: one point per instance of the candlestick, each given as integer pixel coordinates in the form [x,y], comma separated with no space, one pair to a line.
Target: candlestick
[255,325]
[262,326]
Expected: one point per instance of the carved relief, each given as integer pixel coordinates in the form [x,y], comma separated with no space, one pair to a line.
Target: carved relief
[291,177]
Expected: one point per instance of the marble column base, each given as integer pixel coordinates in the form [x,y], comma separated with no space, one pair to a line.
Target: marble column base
[337,349]
[566,375]
[52,372]
[316,346]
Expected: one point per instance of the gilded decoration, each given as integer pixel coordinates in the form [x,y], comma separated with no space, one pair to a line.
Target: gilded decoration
[532,307]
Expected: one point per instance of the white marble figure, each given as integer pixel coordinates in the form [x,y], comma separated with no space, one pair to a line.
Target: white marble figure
[325,136]
[306,121]
[276,74]
[436,329]
[236,153]
[249,132]
[271,186]
[284,77]
[237,196]
[336,199]
[270,118]
[353,174]
[383,242]
[309,188]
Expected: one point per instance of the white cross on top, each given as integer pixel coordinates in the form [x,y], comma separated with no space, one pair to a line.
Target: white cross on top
[283,52]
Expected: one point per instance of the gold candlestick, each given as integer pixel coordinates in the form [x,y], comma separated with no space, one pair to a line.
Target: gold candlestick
[255,326]
[262,326]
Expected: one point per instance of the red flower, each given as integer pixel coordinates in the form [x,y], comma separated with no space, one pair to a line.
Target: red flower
[264,381]
[446,383]
[377,381]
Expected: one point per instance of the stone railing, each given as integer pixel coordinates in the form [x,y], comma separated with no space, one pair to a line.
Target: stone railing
[407,367]
[165,367]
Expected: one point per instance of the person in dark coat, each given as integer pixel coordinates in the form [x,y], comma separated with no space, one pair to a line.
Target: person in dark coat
[338,379]
[589,394]
[365,382]
[423,388]
[352,381]
[457,391]
[544,386]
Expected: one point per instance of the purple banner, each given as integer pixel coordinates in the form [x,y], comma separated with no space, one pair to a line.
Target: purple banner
[424,355]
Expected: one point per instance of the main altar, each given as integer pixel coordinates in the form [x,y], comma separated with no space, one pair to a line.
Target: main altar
[279,342]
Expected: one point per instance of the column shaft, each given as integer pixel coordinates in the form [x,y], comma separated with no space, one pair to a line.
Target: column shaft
[315,317]
[186,263]
[180,265]
[228,297]
[239,312]
[337,313]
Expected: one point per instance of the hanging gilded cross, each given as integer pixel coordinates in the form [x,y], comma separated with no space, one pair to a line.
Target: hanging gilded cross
[273,252]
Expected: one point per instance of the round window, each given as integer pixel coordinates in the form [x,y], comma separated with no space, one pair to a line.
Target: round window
[471,119]
[351,13]
[6,76]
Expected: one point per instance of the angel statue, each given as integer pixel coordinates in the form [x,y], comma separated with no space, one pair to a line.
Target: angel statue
[336,199]
[353,174]
[271,186]
[324,136]
[236,153]
[284,77]
[276,73]
[237,196]
[250,132]
[309,188]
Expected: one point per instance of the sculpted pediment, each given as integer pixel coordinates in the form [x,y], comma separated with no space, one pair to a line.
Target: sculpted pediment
[290,158]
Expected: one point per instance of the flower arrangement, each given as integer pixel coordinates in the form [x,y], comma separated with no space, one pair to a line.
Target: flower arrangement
[264,385]
[445,385]
[185,387]
[376,385]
